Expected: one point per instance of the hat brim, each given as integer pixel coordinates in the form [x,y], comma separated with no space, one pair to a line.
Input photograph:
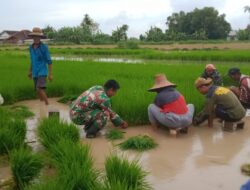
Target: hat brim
[33,34]
[155,88]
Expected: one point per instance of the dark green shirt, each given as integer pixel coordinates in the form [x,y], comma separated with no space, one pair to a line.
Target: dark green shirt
[226,99]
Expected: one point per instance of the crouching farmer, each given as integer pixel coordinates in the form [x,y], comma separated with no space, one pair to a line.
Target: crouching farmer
[93,108]
[220,102]
[169,108]
[243,91]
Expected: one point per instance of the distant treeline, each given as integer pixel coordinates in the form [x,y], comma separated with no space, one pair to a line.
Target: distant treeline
[199,24]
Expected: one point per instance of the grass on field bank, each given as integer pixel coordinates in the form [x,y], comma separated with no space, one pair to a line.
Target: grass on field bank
[114,134]
[139,143]
[51,131]
[122,174]
[25,166]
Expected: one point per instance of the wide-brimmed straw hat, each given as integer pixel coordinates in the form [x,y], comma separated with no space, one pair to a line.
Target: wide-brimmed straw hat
[202,81]
[36,32]
[161,82]
[210,66]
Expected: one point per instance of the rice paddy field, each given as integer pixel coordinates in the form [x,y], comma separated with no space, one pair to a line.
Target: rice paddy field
[66,161]
[73,77]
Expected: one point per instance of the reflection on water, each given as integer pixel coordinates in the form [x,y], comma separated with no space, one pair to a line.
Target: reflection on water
[118,60]
[113,60]
[207,159]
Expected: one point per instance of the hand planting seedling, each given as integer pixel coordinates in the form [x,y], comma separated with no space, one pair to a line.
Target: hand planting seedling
[139,143]
[114,134]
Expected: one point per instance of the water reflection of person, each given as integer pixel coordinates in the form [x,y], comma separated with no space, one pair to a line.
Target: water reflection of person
[220,150]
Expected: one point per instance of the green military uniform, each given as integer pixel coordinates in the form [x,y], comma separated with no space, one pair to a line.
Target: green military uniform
[93,108]
[223,99]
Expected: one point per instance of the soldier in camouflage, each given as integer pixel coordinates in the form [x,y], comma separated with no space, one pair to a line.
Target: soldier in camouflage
[93,108]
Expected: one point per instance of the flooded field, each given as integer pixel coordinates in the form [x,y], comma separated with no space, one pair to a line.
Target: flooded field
[207,159]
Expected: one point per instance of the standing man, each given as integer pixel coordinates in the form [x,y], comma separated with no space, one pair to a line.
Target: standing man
[93,108]
[243,91]
[220,102]
[40,58]
[211,72]
[169,108]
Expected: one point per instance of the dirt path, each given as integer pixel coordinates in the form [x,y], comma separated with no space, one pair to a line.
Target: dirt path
[207,159]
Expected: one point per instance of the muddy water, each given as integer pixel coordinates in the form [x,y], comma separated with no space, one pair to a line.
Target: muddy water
[207,159]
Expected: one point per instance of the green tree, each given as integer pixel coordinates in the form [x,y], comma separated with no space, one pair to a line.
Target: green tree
[49,31]
[154,34]
[89,25]
[203,20]
[120,34]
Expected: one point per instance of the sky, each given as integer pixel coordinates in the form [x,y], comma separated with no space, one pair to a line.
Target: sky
[138,14]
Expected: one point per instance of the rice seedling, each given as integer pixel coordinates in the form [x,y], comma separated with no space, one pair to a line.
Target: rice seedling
[74,164]
[67,99]
[20,112]
[12,132]
[48,185]
[114,134]
[25,166]
[124,175]
[51,131]
[139,143]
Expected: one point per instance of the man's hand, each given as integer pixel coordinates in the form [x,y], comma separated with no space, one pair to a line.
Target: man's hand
[124,125]
[50,77]
[30,75]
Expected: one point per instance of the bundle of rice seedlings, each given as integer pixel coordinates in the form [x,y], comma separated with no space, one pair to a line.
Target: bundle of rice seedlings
[124,175]
[140,143]
[245,169]
[74,164]
[20,112]
[67,99]
[12,134]
[25,166]
[114,134]
[51,131]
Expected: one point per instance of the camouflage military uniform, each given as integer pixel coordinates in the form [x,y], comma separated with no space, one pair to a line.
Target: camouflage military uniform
[93,108]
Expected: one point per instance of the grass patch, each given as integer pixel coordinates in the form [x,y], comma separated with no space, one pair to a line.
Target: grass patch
[125,175]
[139,143]
[25,166]
[48,185]
[114,134]
[51,131]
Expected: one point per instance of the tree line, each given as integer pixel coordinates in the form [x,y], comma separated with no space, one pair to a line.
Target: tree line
[199,24]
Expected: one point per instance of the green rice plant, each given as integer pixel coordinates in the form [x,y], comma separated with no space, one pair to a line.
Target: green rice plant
[12,133]
[48,185]
[25,166]
[124,175]
[139,143]
[74,164]
[114,134]
[51,131]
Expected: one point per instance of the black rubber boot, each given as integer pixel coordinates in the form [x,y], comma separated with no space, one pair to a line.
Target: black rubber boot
[92,131]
